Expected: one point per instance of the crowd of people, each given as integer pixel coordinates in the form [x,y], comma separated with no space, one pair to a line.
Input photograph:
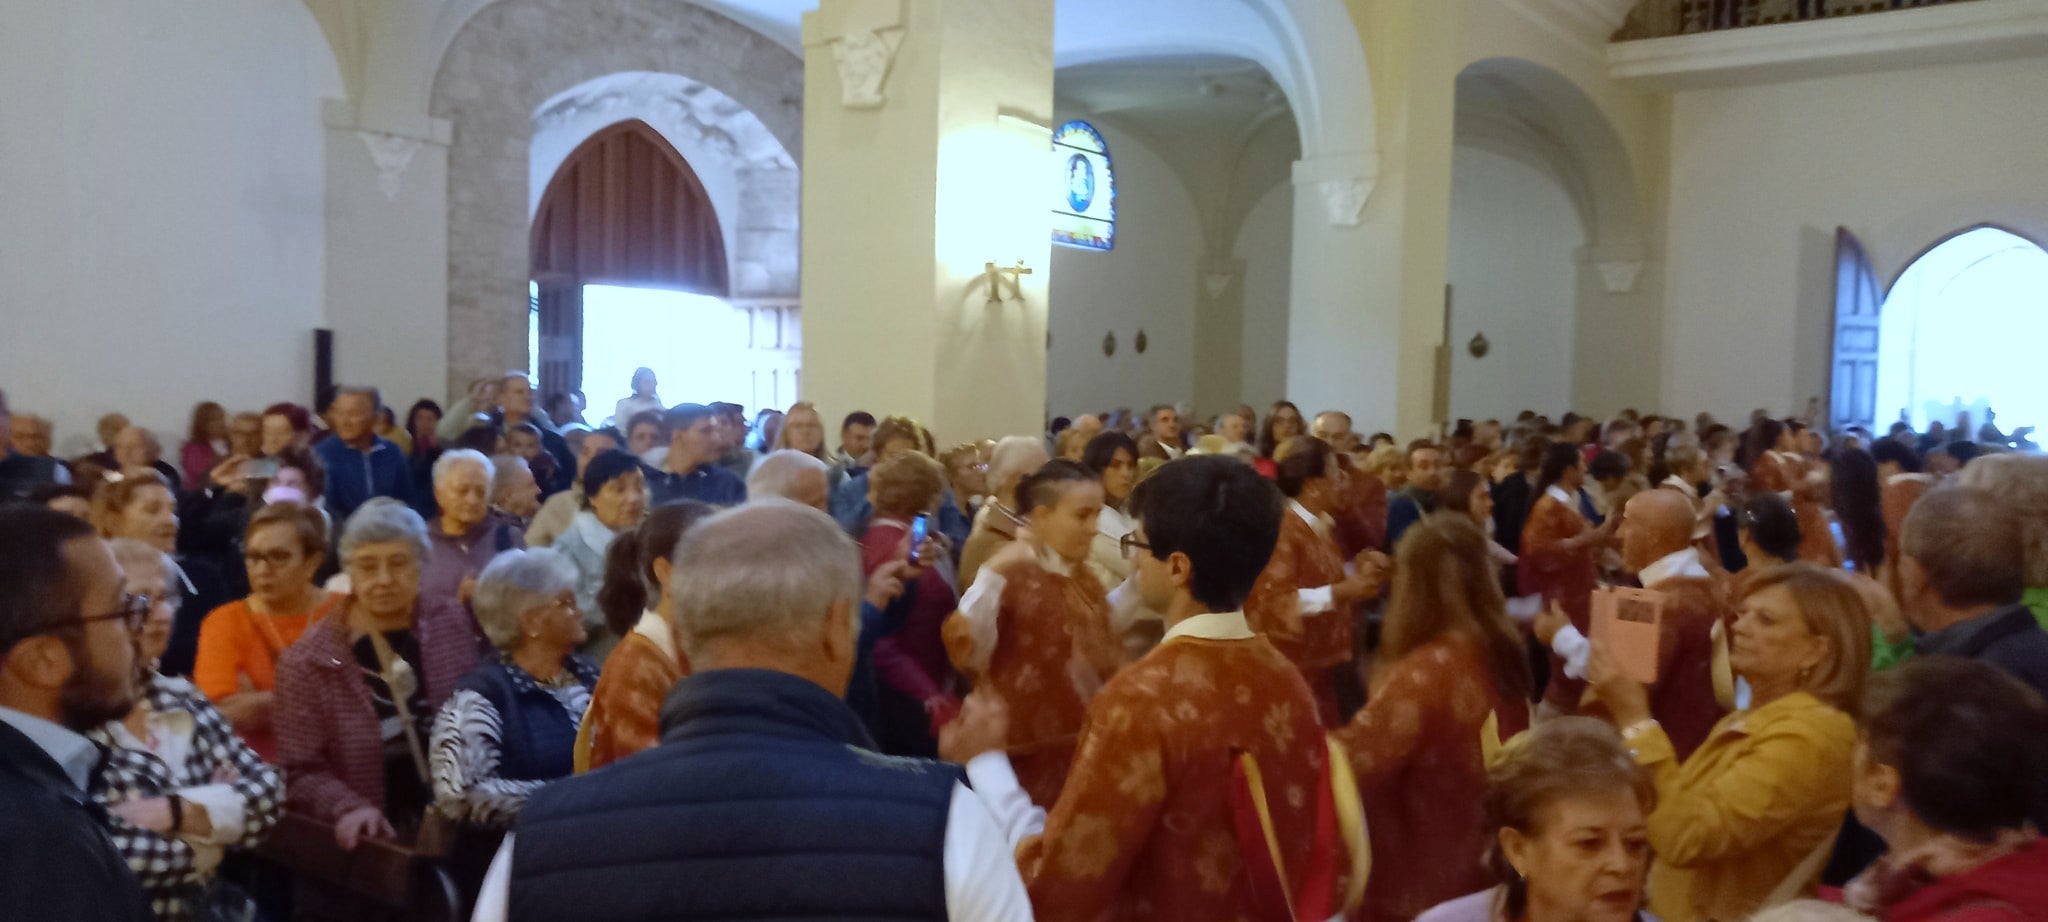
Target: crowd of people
[678,663]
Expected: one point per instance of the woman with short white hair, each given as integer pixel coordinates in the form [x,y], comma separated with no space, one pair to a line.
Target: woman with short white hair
[357,694]
[510,727]
[467,534]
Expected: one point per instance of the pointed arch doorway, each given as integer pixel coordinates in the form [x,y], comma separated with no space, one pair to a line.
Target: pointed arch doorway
[630,269]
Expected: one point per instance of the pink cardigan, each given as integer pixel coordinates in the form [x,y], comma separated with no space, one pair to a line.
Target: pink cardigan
[329,741]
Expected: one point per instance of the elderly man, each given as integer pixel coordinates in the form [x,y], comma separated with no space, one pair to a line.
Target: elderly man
[21,469]
[1657,545]
[691,470]
[67,665]
[1417,496]
[1235,428]
[1962,574]
[515,495]
[765,605]
[1014,459]
[1162,439]
[360,465]
[1334,427]
[792,475]
[135,446]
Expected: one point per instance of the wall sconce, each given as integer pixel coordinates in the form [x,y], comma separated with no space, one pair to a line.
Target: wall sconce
[994,274]
[1109,344]
[1479,347]
[1140,343]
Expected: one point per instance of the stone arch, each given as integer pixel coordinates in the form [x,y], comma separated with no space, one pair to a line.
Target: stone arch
[502,67]
[1527,111]
[750,177]
[1325,75]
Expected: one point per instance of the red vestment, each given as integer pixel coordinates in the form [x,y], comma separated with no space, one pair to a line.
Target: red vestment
[1562,575]
[1417,753]
[1144,829]
[1315,643]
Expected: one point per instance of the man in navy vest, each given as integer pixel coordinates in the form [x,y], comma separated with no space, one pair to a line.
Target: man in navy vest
[766,798]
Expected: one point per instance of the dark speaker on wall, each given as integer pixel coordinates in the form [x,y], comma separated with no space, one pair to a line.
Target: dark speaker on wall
[323,363]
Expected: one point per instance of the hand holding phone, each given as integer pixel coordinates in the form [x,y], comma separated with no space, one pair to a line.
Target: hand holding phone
[920,528]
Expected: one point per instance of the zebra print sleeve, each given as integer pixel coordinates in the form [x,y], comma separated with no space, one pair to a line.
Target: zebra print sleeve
[465,751]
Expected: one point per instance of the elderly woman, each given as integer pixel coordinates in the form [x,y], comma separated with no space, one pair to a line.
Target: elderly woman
[356,696]
[1449,660]
[179,787]
[919,689]
[625,708]
[997,525]
[510,726]
[1748,819]
[139,504]
[1566,808]
[2022,480]
[240,642]
[614,500]
[1950,770]
[467,534]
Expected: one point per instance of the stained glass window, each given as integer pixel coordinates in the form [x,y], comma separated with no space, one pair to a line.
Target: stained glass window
[1084,212]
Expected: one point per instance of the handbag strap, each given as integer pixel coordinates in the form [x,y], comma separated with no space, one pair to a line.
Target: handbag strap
[387,660]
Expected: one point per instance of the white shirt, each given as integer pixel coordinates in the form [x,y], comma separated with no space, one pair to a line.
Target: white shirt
[1575,649]
[72,752]
[1316,599]
[984,601]
[982,882]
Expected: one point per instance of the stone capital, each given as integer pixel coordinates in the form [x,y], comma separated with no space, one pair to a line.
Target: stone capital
[1343,183]
[863,36]
[1619,263]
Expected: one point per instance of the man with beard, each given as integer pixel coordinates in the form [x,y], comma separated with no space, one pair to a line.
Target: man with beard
[67,663]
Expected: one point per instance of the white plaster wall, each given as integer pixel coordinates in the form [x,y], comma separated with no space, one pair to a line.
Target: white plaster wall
[1265,244]
[1514,275]
[1761,176]
[163,233]
[1148,282]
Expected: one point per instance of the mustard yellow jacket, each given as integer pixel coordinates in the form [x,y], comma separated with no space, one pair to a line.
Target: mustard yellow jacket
[1767,789]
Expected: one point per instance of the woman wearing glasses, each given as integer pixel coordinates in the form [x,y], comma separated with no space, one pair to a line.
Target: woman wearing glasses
[356,696]
[180,788]
[240,642]
[510,727]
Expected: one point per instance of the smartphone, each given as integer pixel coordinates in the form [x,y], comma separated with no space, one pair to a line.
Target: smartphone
[920,527]
[261,469]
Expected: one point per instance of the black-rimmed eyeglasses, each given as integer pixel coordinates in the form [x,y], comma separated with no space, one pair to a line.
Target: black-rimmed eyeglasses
[1129,544]
[134,612]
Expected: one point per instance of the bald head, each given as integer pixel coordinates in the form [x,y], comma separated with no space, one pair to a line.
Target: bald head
[792,475]
[1655,524]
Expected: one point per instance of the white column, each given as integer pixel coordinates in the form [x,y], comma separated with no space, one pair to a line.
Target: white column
[1344,316]
[387,255]
[927,156]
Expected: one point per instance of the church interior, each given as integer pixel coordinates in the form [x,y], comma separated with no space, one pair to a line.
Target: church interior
[1619,374]
[1335,203]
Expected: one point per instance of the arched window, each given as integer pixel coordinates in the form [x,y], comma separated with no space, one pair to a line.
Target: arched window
[1961,332]
[1084,215]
